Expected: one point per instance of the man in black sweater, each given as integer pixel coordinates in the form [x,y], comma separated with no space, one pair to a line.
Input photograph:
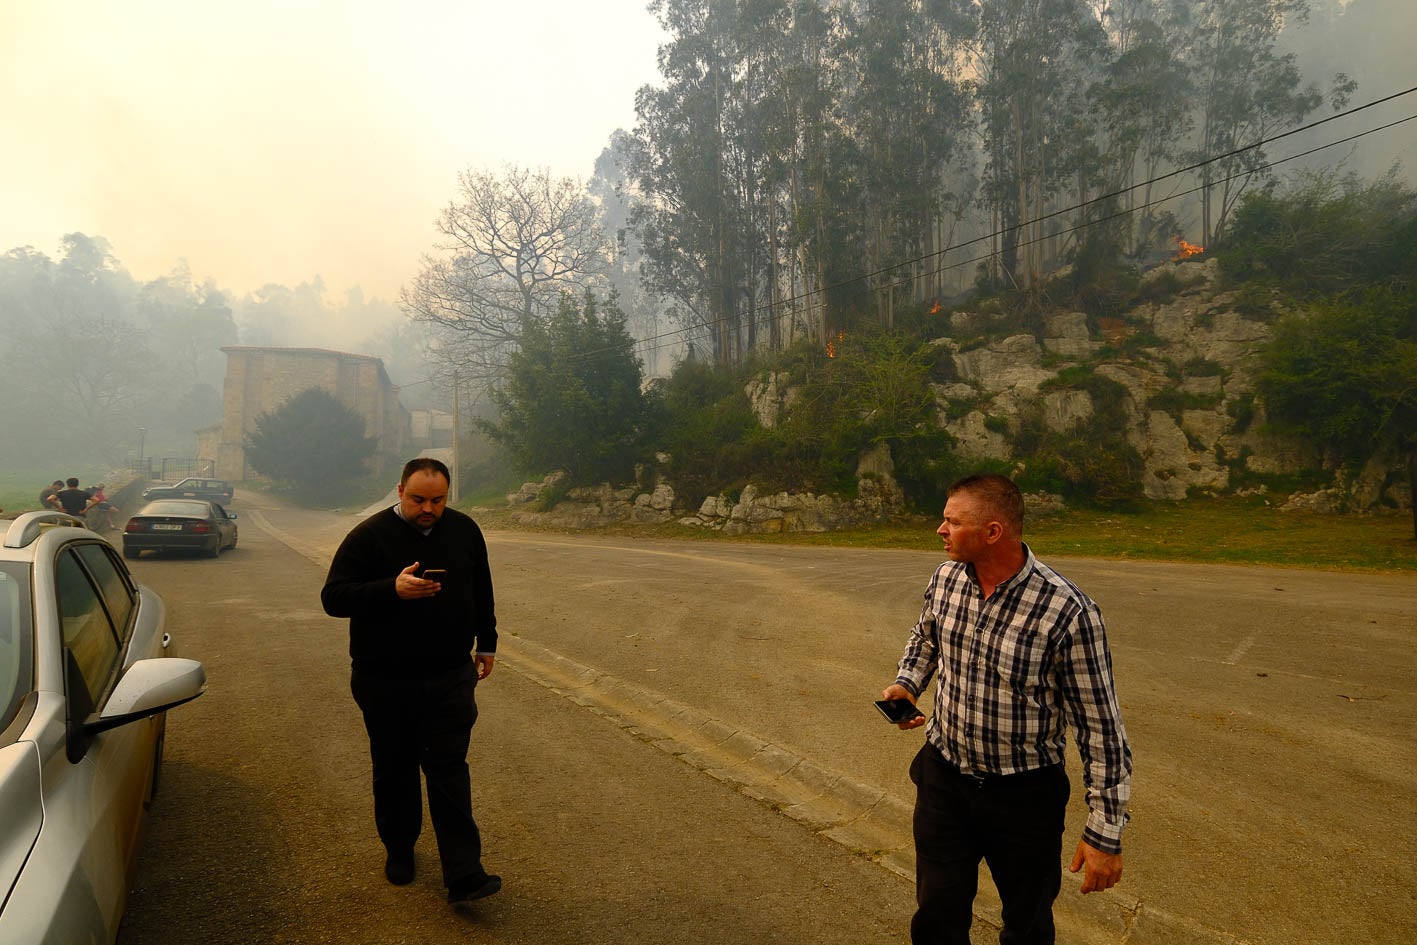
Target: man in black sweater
[415,584]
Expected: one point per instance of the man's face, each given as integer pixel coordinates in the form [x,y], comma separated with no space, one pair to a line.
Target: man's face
[963,528]
[423,498]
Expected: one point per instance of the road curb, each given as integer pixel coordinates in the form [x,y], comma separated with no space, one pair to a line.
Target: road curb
[855,815]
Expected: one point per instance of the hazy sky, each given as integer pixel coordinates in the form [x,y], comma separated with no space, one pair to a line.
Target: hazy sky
[270,141]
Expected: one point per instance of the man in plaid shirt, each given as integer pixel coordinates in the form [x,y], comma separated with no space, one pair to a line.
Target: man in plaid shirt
[1020,654]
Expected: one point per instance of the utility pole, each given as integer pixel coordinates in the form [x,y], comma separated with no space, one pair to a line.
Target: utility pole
[457,431]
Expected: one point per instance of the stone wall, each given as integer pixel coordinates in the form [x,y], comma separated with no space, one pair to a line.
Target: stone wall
[654,502]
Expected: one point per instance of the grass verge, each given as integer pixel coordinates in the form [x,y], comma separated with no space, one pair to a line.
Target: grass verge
[1203,531]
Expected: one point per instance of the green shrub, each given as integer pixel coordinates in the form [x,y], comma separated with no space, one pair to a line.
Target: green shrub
[1242,410]
[1321,234]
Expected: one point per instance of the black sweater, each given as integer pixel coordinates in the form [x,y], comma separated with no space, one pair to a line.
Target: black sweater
[412,639]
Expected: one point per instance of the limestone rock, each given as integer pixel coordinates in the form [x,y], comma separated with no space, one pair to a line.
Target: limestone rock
[1010,363]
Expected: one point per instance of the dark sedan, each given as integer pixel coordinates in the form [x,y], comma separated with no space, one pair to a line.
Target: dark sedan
[212,490]
[180,525]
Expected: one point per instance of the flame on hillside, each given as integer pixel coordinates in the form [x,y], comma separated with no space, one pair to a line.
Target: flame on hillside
[1186,250]
[832,343]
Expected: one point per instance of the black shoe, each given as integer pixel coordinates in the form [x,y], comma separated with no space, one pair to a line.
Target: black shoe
[463,894]
[398,869]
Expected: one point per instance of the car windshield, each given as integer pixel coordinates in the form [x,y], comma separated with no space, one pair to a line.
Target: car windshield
[177,507]
[16,640]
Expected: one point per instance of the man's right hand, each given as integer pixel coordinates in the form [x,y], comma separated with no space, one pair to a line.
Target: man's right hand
[897,691]
[409,586]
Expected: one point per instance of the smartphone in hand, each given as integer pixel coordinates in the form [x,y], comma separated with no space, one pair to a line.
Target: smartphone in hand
[898,710]
[435,574]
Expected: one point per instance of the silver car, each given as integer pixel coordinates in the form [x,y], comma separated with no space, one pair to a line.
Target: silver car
[84,685]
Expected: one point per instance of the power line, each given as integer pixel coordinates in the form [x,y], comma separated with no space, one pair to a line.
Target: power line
[1121,213]
[675,335]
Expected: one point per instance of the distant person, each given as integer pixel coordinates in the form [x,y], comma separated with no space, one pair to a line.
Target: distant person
[1018,653]
[415,584]
[72,499]
[98,501]
[49,492]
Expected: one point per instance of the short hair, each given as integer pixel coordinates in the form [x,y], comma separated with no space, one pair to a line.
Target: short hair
[57,482]
[73,482]
[1001,497]
[424,464]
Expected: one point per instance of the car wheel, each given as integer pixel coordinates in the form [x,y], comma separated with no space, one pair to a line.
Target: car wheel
[215,550]
[131,553]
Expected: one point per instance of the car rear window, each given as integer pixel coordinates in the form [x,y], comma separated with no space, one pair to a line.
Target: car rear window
[176,507]
[16,639]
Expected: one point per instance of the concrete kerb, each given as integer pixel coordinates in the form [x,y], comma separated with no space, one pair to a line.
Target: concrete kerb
[827,802]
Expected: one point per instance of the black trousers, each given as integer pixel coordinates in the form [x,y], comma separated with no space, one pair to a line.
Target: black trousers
[424,724]
[1014,823]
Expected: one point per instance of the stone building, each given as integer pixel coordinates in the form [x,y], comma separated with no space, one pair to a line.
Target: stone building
[259,380]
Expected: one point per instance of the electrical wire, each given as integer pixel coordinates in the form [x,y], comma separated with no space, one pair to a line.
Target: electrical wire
[675,336]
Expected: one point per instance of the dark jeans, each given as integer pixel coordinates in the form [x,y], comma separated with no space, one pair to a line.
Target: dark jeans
[1013,823]
[425,724]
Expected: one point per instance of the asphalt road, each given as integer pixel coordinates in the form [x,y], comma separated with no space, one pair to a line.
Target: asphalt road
[678,745]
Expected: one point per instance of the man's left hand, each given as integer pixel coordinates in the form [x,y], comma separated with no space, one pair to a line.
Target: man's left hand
[1104,870]
[484,663]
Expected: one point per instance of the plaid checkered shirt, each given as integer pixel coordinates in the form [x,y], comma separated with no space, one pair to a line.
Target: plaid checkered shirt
[1013,670]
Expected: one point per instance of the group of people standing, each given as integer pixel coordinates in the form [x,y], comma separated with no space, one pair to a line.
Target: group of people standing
[1017,652]
[67,496]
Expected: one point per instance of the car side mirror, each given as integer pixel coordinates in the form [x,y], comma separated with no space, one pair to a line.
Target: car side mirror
[147,688]
[231,515]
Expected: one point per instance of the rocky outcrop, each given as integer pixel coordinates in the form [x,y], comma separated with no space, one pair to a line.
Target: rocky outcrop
[769,397]
[1201,361]
[1186,368]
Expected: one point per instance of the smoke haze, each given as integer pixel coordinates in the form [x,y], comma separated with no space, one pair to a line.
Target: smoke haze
[267,142]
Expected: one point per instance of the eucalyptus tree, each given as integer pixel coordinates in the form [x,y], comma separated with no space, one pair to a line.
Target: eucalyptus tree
[908,111]
[689,218]
[1035,60]
[1247,91]
[510,244]
[1143,100]
[810,237]
[615,193]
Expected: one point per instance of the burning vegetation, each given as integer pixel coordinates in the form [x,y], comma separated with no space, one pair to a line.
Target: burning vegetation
[1186,250]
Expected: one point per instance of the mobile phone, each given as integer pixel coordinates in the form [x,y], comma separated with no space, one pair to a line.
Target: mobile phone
[898,710]
[435,574]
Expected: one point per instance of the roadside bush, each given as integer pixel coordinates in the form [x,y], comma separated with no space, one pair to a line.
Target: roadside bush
[701,417]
